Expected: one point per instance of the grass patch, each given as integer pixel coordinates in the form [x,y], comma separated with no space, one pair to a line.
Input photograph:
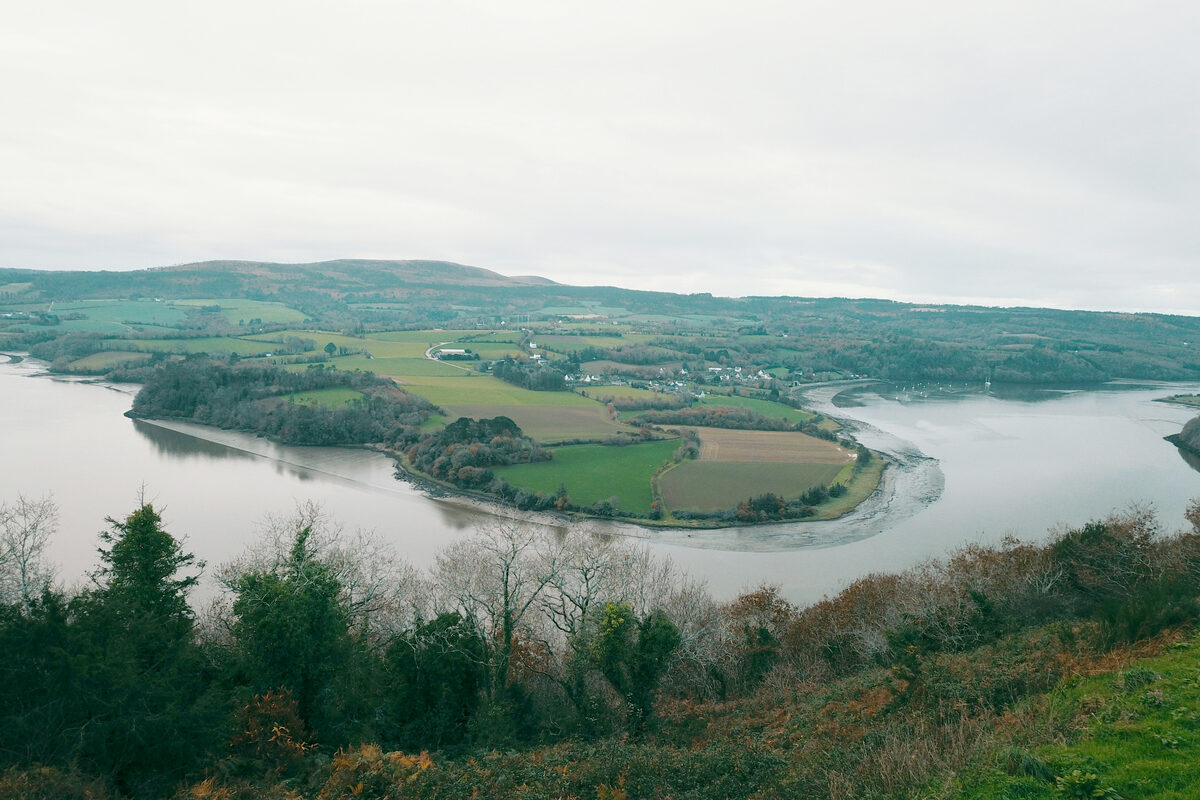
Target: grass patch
[473,389]
[1184,399]
[426,337]
[354,344]
[207,344]
[490,351]
[568,343]
[714,485]
[593,473]
[575,311]
[768,408]
[859,486]
[122,314]
[1137,731]
[106,360]
[401,369]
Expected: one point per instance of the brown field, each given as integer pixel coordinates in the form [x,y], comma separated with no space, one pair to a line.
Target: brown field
[721,444]
[548,424]
[712,485]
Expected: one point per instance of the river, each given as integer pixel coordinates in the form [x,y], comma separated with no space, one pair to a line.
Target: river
[969,466]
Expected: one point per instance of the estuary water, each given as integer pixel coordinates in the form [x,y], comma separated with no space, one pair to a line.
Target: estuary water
[967,466]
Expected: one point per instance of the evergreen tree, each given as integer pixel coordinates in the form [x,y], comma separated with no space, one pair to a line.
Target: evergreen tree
[292,628]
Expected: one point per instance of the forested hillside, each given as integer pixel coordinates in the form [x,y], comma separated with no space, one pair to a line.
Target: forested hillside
[875,338]
[534,666]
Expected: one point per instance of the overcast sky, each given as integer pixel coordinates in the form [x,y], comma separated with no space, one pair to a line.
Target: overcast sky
[1041,153]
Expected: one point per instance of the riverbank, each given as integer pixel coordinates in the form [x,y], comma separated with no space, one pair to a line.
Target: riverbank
[863,484]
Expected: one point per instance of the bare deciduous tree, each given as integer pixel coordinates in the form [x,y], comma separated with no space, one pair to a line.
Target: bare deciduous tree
[383,592]
[25,529]
[494,579]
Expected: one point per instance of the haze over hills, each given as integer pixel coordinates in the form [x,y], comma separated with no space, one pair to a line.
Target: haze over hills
[837,336]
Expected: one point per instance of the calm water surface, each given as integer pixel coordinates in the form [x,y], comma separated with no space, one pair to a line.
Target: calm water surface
[967,467]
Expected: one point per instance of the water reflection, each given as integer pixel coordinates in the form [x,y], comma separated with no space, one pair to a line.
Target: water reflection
[1189,458]
[971,470]
[869,392]
[184,446]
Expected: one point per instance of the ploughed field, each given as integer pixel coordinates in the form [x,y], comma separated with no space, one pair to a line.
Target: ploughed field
[735,464]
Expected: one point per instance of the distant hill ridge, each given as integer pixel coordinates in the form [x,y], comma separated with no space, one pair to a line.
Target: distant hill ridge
[361,269]
[337,278]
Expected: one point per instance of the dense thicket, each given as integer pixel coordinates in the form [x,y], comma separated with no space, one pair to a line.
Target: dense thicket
[540,376]
[566,665]
[461,452]
[716,417]
[257,399]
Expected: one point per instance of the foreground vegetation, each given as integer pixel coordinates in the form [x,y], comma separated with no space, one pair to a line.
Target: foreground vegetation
[522,665]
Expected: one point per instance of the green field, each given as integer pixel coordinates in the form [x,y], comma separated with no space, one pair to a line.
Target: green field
[473,389]
[424,336]
[106,360]
[123,314]
[401,369]
[550,424]
[335,397]
[593,473]
[206,344]
[489,351]
[570,311]
[568,343]
[240,312]
[380,348]
[500,336]
[767,408]
[713,485]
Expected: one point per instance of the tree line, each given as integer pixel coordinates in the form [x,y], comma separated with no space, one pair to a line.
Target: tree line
[319,640]
[323,651]
[247,397]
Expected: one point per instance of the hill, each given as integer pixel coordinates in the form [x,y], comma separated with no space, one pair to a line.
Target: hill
[794,337]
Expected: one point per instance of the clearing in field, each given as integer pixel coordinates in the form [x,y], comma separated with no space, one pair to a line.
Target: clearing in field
[549,424]
[334,397]
[715,485]
[593,473]
[776,447]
